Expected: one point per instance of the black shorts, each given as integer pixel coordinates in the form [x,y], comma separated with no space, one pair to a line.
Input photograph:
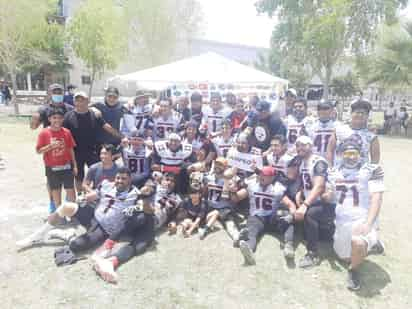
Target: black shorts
[223,212]
[57,179]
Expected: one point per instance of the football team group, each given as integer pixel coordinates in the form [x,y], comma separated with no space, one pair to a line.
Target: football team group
[130,170]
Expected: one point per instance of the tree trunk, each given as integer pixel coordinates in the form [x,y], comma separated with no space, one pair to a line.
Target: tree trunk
[14,97]
[92,78]
[326,83]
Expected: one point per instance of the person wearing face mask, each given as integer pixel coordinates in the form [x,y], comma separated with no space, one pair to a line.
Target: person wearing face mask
[323,128]
[54,100]
[297,123]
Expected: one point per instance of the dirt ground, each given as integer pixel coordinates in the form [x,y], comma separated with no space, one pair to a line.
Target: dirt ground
[189,273]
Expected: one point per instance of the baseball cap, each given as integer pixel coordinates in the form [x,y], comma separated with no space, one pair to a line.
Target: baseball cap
[174,136]
[55,111]
[268,171]
[306,140]
[142,94]
[80,94]
[263,106]
[221,160]
[112,91]
[361,104]
[55,87]
[325,104]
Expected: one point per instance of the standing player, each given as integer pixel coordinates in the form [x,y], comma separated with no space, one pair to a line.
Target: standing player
[225,140]
[265,198]
[317,215]
[140,114]
[358,131]
[136,157]
[277,156]
[215,114]
[168,121]
[323,128]
[359,190]
[56,144]
[297,123]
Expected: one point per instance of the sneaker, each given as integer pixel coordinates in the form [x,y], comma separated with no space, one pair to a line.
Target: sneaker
[378,248]
[247,253]
[105,269]
[353,282]
[309,260]
[289,251]
[104,250]
[203,232]
[65,235]
[36,238]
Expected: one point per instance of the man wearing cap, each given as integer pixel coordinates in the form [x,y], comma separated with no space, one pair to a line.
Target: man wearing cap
[359,192]
[317,214]
[266,198]
[140,114]
[85,126]
[54,100]
[323,128]
[112,112]
[136,157]
[262,125]
[215,114]
[297,123]
[358,131]
[173,156]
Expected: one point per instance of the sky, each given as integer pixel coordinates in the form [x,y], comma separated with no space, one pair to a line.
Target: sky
[236,21]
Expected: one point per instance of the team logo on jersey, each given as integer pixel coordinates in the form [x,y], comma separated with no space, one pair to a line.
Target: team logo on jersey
[260,134]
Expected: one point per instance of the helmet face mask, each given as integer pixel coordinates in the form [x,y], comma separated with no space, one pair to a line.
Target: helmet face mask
[351,158]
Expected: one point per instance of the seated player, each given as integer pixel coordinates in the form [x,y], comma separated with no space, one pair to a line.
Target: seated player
[219,208]
[104,221]
[359,190]
[141,226]
[270,208]
[317,214]
[136,157]
[173,156]
[277,155]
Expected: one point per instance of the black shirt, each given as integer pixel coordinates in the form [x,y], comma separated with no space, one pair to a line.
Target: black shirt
[45,110]
[84,128]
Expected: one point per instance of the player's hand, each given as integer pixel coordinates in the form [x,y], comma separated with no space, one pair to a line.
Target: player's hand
[300,213]
[124,142]
[55,144]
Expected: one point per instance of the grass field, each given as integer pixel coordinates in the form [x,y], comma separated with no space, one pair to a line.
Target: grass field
[189,273]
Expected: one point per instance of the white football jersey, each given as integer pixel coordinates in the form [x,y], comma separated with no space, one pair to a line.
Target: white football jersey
[353,188]
[136,119]
[314,166]
[214,120]
[320,132]
[279,163]
[214,192]
[163,127]
[169,157]
[294,129]
[223,145]
[197,143]
[364,137]
[136,161]
[264,201]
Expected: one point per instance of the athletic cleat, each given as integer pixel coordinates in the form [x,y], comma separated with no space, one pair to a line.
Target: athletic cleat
[247,253]
[105,269]
[353,281]
[289,251]
[309,260]
[64,235]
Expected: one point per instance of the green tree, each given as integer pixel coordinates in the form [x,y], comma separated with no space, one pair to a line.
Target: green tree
[97,36]
[314,35]
[24,36]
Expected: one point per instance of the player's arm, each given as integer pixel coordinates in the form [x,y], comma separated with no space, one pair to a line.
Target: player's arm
[375,207]
[35,121]
[319,185]
[289,204]
[109,129]
[74,163]
[375,151]
[330,150]
[239,195]
[88,182]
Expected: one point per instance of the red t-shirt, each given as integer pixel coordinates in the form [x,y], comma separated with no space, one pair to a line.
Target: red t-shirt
[58,156]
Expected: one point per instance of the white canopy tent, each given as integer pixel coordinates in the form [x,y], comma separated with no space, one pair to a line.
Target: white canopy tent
[204,73]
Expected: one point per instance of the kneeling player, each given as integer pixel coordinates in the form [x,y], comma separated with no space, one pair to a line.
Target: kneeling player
[265,197]
[359,190]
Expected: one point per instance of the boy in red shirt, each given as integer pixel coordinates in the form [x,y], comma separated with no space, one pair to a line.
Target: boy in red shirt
[56,144]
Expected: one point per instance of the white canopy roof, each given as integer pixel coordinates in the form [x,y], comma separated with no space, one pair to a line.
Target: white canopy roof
[206,68]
